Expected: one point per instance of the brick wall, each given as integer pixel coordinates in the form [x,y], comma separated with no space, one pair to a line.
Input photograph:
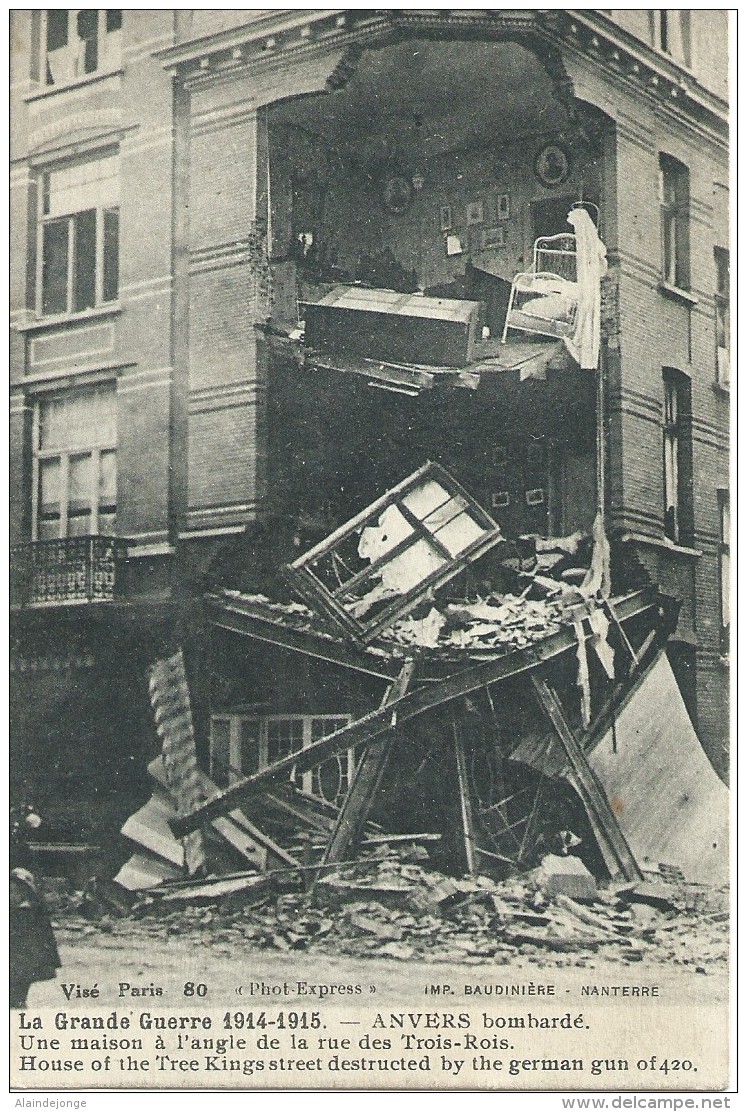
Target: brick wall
[225,260]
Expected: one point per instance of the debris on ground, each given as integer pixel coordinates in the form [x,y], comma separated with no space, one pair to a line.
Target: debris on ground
[389,907]
[259,845]
[564,876]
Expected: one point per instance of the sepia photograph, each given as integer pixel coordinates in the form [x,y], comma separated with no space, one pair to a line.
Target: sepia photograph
[370,534]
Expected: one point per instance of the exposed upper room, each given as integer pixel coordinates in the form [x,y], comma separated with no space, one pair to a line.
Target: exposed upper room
[434,167]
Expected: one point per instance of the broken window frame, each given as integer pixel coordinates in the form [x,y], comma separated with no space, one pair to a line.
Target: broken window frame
[302,571]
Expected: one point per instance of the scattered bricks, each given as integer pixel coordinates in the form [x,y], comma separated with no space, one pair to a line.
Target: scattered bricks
[566,876]
[441,897]
[398,950]
[336,892]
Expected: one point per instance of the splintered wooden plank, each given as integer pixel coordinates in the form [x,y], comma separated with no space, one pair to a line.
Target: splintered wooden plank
[145,870]
[612,841]
[373,725]
[368,775]
[207,891]
[149,827]
[258,836]
[465,798]
[237,616]
[235,828]
[300,812]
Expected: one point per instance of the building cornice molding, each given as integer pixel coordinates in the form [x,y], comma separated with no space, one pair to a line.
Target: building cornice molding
[597,36]
[269,43]
[280,37]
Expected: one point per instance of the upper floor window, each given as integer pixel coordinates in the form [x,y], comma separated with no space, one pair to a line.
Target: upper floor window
[674,201]
[79,236]
[723,322]
[677,437]
[81,41]
[75,464]
[670,33]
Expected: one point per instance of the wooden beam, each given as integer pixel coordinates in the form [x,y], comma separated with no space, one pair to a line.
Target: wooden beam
[612,842]
[303,815]
[258,836]
[229,615]
[414,703]
[465,798]
[623,635]
[357,804]
[245,837]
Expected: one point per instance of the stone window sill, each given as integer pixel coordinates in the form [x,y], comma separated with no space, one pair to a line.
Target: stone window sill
[39,324]
[88,79]
[662,543]
[674,293]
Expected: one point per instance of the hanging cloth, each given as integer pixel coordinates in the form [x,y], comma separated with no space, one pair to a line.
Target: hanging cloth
[591,267]
[582,681]
[598,579]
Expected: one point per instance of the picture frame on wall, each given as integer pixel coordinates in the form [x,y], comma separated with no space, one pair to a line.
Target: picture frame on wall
[493,238]
[475,212]
[552,165]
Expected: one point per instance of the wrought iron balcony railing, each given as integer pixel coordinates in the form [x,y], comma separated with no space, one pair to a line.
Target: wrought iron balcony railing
[57,572]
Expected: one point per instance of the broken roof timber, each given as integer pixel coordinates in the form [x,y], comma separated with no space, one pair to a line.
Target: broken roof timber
[238,617]
[409,706]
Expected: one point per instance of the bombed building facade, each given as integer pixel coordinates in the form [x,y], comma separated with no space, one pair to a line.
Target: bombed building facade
[265,266]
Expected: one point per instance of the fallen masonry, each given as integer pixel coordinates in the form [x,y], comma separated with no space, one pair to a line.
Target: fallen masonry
[530,779]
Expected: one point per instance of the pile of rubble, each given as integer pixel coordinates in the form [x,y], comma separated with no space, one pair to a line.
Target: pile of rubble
[390,905]
[495,624]
[546,574]
[378,584]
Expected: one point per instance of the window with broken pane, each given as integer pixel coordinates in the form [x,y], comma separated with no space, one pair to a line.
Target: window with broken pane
[413,539]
